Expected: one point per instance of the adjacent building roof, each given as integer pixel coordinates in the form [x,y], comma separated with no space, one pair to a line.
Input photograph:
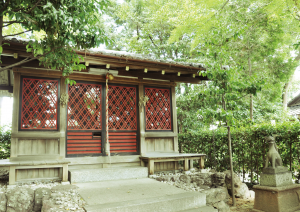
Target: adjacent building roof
[294,106]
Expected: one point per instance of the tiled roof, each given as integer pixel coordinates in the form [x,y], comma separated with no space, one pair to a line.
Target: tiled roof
[121,54]
[294,110]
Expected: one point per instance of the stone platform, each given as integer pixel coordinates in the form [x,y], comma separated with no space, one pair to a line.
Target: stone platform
[137,195]
[277,199]
[104,174]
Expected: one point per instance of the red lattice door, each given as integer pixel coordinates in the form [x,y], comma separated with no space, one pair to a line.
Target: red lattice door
[84,122]
[122,119]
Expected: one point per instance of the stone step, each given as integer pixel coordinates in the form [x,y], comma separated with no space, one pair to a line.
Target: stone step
[170,203]
[104,174]
[201,209]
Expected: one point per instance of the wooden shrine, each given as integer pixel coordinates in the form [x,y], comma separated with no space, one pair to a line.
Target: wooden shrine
[123,105]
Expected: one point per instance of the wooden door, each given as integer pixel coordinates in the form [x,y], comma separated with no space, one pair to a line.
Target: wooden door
[123,130]
[85,120]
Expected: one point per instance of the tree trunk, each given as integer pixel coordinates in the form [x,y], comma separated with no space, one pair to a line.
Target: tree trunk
[230,153]
[251,107]
[285,94]
[231,166]
[251,95]
[1,28]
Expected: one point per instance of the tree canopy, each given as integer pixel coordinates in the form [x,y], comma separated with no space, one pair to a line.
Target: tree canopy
[244,44]
[62,25]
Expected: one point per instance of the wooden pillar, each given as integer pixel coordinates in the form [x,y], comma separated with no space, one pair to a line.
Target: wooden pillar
[201,162]
[65,173]
[12,175]
[191,163]
[141,110]
[15,114]
[16,102]
[151,166]
[174,118]
[186,164]
[62,120]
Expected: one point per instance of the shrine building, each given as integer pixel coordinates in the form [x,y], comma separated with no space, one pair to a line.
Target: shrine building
[121,111]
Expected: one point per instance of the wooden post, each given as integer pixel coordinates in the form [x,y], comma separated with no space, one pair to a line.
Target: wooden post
[186,164]
[201,162]
[12,175]
[142,122]
[16,100]
[142,163]
[62,120]
[151,166]
[191,163]
[65,173]
[174,118]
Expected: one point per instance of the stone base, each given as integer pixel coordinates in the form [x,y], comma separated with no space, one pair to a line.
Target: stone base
[276,179]
[277,199]
[65,183]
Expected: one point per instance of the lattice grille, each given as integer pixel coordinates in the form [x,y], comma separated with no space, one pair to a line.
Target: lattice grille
[158,109]
[84,107]
[122,108]
[39,104]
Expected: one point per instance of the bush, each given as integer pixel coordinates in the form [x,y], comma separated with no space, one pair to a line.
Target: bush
[5,142]
[248,146]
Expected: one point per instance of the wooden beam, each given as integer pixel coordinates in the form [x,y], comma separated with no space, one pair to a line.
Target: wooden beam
[89,77]
[7,88]
[171,77]
[123,61]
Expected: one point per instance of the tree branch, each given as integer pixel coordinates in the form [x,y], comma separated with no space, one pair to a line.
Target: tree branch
[18,63]
[152,41]
[34,6]
[27,60]
[17,33]
[12,22]
[5,6]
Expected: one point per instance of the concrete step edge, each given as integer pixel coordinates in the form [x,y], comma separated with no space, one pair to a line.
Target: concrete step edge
[170,203]
[106,174]
[201,209]
[108,169]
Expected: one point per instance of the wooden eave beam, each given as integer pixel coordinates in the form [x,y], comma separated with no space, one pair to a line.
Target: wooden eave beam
[8,88]
[170,77]
[7,60]
[122,61]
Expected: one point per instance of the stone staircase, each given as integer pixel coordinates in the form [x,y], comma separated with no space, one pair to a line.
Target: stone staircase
[185,202]
[128,189]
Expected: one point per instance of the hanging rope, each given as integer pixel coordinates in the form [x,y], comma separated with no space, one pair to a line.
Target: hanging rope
[107,146]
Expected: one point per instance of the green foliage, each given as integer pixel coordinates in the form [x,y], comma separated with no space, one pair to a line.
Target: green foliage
[63,25]
[144,26]
[248,145]
[5,141]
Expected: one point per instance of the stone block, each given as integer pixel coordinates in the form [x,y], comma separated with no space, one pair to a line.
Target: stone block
[276,199]
[38,196]
[276,180]
[20,200]
[279,169]
[3,202]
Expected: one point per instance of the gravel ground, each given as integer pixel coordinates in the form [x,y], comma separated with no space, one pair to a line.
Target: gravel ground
[242,205]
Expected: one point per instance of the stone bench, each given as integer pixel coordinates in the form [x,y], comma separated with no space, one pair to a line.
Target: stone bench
[188,159]
[16,165]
